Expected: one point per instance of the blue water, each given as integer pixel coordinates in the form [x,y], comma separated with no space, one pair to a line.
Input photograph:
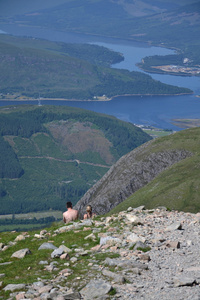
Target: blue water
[158,111]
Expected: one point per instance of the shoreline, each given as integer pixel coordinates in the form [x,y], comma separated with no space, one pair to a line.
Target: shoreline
[159,71]
[94,100]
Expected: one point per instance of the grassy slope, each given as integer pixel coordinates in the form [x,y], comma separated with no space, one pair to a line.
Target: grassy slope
[178,187]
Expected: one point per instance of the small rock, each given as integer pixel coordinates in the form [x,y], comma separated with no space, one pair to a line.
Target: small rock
[65,256]
[173,244]
[20,296]
[21,253]
[73,259]
[14,287]
[108,220]
[96,248]
[134,220]
[20,237]
[39,236]
[134,238]
[65,249]
[44,231]
[72,295]
[145,257]
[45,289]
[184,281]
[65,272]
[174,226]
[87,222]
[37,285]
[90,236]
[130,209]
[43,262]
[139,244]
[95,288]
[47,246]
[116,277]
[139,208]
[57,253]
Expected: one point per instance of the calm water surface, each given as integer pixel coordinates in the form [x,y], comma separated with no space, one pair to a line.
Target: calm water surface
[158,111]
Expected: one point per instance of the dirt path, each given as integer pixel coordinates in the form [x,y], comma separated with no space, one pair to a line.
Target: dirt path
[66,161]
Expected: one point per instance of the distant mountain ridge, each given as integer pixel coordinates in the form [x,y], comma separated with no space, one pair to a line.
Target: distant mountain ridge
[168,23]
[162,172]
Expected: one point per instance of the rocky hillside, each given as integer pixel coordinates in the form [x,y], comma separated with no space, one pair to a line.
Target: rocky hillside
[136,254]
[160,172]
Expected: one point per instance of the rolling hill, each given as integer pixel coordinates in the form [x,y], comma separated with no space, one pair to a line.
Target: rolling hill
[162,172]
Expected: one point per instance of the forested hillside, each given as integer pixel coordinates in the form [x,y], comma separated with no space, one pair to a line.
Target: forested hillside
[36,68]
[9,163]
[49,155]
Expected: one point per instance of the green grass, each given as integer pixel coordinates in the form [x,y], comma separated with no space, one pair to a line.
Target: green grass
[157,133]
[21,227]
[28,269]
[146,249]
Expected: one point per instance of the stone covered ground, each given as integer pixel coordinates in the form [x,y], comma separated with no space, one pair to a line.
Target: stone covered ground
[158,258]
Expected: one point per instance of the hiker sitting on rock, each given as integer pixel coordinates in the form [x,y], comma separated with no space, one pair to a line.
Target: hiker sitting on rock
[89,214]
[71,214]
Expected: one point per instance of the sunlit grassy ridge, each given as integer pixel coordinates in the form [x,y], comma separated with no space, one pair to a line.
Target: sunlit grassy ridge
[178,186]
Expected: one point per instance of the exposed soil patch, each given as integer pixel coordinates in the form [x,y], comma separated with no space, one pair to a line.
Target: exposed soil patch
[80,137]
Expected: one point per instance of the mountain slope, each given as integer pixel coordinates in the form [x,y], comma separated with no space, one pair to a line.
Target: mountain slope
[164,171]
[58,153]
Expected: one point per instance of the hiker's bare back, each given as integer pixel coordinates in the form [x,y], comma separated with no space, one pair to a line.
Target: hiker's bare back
[71,214]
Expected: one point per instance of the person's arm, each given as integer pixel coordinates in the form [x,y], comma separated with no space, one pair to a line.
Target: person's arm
[77,216]
[64,220]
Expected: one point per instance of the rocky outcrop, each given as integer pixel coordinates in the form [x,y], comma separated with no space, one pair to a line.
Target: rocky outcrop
[133,171]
